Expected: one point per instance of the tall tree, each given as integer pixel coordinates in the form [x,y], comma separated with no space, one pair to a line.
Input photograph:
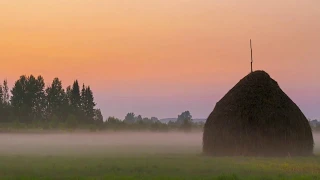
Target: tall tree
[75,98]
[68,94]
[2,106]
[90,103]
[21,105]
[68,106]
[1,96]
[57,101]
[5,91]
[183,117]
[28,98]
[83,98]
[40,100]
[87,104]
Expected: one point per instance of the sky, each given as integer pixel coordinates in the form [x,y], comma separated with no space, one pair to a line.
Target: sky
[162,57]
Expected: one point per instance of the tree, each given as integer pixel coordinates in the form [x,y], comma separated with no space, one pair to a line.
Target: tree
[87,104]
[98,118]
[146,120]
[28,98]
[113,120]
[75,97]
[138,118]
[83,97]
[1,96]
[154,119]
[57,100]
[75,102]
[6,113]
[2,106]
[39,101]
[184,116]
[130,118]
[186,125]
[185,121]
[21,105]
[5,91]
[68,94]
[172,124]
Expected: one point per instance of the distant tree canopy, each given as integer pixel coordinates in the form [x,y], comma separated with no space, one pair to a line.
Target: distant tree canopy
[315,124]
[28,99]
[183,117]
[130,118]
[32,102]
[185,121]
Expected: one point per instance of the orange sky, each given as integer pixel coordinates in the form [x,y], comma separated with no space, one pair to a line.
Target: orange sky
[161,57]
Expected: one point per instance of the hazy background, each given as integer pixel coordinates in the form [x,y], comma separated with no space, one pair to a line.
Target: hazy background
[161,57]
[120,143]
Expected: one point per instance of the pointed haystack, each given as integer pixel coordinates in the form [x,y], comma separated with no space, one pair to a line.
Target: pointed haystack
[256,118]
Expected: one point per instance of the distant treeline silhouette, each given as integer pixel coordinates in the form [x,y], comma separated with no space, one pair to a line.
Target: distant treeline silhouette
[32,105]
[315,125]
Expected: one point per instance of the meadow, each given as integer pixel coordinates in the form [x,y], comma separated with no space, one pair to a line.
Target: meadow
[137,155]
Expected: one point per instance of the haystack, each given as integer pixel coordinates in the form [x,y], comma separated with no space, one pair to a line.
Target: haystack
[256,118]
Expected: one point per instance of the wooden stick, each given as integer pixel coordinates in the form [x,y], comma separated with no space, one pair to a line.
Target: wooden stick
[251,55]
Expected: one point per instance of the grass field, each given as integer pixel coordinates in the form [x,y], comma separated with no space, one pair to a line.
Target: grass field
[136,156]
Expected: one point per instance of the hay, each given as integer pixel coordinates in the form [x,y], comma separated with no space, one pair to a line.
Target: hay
[256,118]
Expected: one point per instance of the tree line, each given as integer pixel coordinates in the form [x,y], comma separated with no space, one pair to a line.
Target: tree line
[32,104]
[315,125]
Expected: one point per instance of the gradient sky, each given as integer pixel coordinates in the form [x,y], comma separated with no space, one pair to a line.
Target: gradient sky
[162,57]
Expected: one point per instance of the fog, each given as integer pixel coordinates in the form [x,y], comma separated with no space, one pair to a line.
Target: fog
[105,143]
[97,143]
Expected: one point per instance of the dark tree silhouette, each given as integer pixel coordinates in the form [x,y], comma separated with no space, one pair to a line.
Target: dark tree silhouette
[88,104]
[5,91]
[57,100]
[130,118]
[75,97]
[98,118]
[28,98]
[184,116]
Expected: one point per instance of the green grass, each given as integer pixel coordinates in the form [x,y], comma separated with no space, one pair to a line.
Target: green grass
[161,166]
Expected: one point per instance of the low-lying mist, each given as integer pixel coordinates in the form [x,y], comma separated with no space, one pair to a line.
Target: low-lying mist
[105,143]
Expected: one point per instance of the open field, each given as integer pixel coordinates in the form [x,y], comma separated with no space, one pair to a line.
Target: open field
[137,156]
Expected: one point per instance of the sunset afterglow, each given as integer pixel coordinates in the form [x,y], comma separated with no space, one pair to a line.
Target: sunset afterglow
[162,57]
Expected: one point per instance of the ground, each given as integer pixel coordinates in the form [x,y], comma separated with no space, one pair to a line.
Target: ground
[136,156]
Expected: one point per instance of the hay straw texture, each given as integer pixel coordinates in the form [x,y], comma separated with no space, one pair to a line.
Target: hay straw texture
[256,118]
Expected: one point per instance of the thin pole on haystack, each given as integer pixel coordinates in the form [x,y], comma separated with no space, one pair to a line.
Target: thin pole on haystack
[251,55]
